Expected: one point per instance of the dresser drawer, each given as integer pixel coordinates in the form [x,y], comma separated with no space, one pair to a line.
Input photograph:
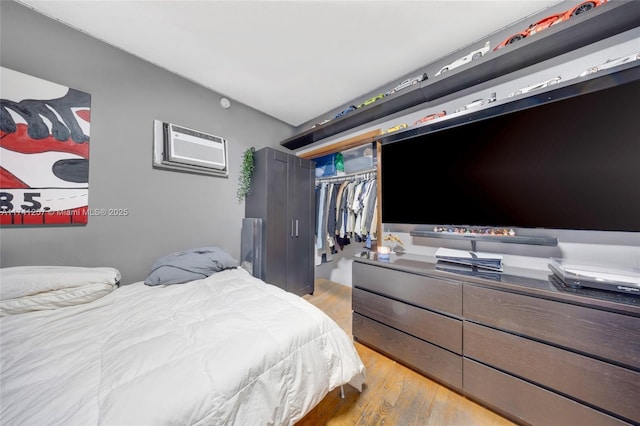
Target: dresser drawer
[610,387]
[608,335]
[525,402]
[432,327]
[426,292]
[430,360]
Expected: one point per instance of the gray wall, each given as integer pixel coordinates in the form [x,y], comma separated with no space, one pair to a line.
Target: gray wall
[168,210]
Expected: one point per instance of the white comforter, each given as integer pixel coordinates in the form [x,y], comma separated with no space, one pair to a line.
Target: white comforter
[225,350]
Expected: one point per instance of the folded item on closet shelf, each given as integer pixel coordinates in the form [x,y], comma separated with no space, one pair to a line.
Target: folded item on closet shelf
[470,258]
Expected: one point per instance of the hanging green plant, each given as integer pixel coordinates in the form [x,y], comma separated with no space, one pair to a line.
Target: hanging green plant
[246,172]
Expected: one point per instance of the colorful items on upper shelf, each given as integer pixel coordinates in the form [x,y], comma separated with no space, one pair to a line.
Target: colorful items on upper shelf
[430,117]
[472,56]
[478,102]
[406,83]
[538,51]
[536,86]
[549,21]
[371,100]
[611,63]
[396,128]
[345,111]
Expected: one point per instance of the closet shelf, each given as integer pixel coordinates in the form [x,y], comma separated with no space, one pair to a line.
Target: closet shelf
[598,24]
[353,142]
[346,176]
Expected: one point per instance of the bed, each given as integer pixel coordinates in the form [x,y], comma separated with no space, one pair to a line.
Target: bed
[226,349]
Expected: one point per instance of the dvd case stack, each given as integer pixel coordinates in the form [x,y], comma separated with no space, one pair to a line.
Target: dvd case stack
[471,271]
[488,261]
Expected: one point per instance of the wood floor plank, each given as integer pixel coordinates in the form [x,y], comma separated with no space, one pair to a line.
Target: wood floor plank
[416,410]
[393,394]
[375,405]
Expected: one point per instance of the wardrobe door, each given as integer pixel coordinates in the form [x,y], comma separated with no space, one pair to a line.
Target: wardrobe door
[301,215]
[268,200]
[277,225]
[282,194]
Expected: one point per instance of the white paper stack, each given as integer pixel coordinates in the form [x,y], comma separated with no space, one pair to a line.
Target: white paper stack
[488,261]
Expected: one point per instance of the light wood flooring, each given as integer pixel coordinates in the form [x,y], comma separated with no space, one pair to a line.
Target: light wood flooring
[393,394]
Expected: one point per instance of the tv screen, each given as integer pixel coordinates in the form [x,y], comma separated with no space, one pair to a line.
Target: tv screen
[572,163]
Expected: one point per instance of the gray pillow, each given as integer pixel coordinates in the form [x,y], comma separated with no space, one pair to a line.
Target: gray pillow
[188,265]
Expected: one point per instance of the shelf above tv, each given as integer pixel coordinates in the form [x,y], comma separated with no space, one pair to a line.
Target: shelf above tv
[598,24]
[604,79]
[406,99]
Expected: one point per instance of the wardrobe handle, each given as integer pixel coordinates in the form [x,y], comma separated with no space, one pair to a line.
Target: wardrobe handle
[296,228]
[292,229]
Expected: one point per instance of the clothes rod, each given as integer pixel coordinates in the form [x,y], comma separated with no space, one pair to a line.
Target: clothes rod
[362,174]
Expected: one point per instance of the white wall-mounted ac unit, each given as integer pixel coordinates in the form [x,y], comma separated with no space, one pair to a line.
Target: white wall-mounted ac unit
[180,148]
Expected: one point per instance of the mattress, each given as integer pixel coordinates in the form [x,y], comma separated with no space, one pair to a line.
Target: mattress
[225,350]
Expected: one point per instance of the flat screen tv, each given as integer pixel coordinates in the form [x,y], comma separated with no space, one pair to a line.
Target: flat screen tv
[565,159]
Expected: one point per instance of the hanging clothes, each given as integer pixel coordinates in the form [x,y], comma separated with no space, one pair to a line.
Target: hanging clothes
[346,211]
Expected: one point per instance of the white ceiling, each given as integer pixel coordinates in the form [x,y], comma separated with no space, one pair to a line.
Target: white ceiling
[293,60]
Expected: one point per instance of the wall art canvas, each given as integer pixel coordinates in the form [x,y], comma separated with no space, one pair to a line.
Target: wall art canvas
[44,152]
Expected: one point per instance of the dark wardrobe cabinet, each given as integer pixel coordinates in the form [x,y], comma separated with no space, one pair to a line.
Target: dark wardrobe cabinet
[282,195]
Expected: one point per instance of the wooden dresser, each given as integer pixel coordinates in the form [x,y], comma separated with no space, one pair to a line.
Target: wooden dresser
[517,342]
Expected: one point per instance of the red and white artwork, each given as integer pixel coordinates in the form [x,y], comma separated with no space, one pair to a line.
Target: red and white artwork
[44,152]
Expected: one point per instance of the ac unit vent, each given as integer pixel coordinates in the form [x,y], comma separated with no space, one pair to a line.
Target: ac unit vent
[180,148]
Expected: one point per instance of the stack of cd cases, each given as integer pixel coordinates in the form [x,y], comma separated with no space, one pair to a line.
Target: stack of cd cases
[489,261]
